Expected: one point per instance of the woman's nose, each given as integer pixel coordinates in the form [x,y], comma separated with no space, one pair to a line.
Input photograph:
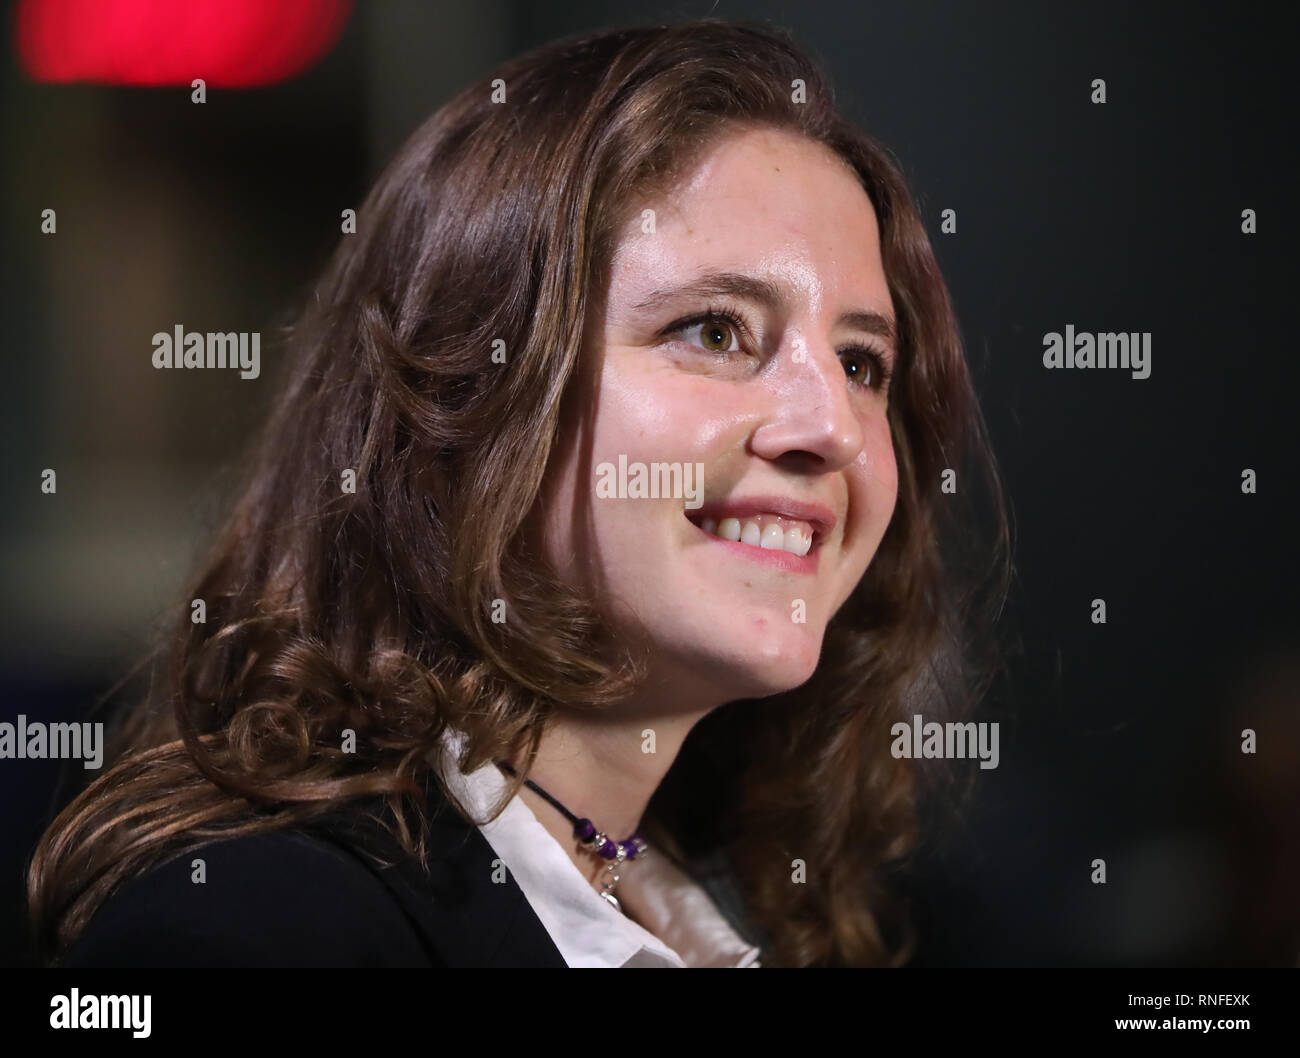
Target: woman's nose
[811,409]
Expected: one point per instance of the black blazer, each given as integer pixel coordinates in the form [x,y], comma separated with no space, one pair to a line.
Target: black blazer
[310,897]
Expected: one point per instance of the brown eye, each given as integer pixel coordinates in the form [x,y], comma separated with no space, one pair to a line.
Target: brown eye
[712,331]
[716,336]
[866,367]
[857,368]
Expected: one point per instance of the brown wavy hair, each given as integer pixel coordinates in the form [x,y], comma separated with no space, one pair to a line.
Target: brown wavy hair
[369,610]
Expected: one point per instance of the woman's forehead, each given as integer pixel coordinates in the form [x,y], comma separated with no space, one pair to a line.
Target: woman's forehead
[795,219]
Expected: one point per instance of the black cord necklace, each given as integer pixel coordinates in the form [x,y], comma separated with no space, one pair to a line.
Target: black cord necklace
[591,838]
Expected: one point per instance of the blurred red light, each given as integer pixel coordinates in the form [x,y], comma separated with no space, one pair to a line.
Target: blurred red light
[227,43]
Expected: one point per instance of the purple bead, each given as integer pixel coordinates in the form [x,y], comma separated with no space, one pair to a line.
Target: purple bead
[584,830]
[609,850]
[629,850]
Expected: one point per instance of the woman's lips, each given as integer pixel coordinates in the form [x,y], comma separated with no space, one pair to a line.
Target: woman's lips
[772,539]
[771,532]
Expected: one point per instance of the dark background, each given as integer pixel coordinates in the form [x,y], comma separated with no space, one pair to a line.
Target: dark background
[1120,741]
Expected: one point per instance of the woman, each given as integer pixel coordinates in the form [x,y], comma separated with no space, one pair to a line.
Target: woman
[601,533]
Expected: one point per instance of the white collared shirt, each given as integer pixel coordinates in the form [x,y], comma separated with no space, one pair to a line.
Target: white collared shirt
[682,926]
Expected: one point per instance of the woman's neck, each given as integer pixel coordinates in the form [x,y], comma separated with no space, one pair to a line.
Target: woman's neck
[605,770]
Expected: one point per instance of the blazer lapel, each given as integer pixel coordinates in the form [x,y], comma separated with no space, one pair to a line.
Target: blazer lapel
[465,918]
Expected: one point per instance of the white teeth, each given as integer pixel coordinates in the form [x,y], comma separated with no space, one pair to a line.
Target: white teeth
[796,542]
[760,532]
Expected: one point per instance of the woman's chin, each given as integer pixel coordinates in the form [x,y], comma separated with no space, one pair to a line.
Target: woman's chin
[765,670]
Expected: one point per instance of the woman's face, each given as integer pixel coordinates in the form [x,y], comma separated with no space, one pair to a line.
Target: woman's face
[777,399]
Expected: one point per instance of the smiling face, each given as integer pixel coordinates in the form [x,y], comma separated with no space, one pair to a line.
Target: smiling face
[744,335]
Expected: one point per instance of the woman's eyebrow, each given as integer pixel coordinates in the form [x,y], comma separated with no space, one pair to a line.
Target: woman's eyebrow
[719,284]
[764,292]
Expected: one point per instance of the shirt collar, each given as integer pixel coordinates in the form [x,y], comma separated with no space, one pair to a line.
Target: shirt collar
[682,925]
